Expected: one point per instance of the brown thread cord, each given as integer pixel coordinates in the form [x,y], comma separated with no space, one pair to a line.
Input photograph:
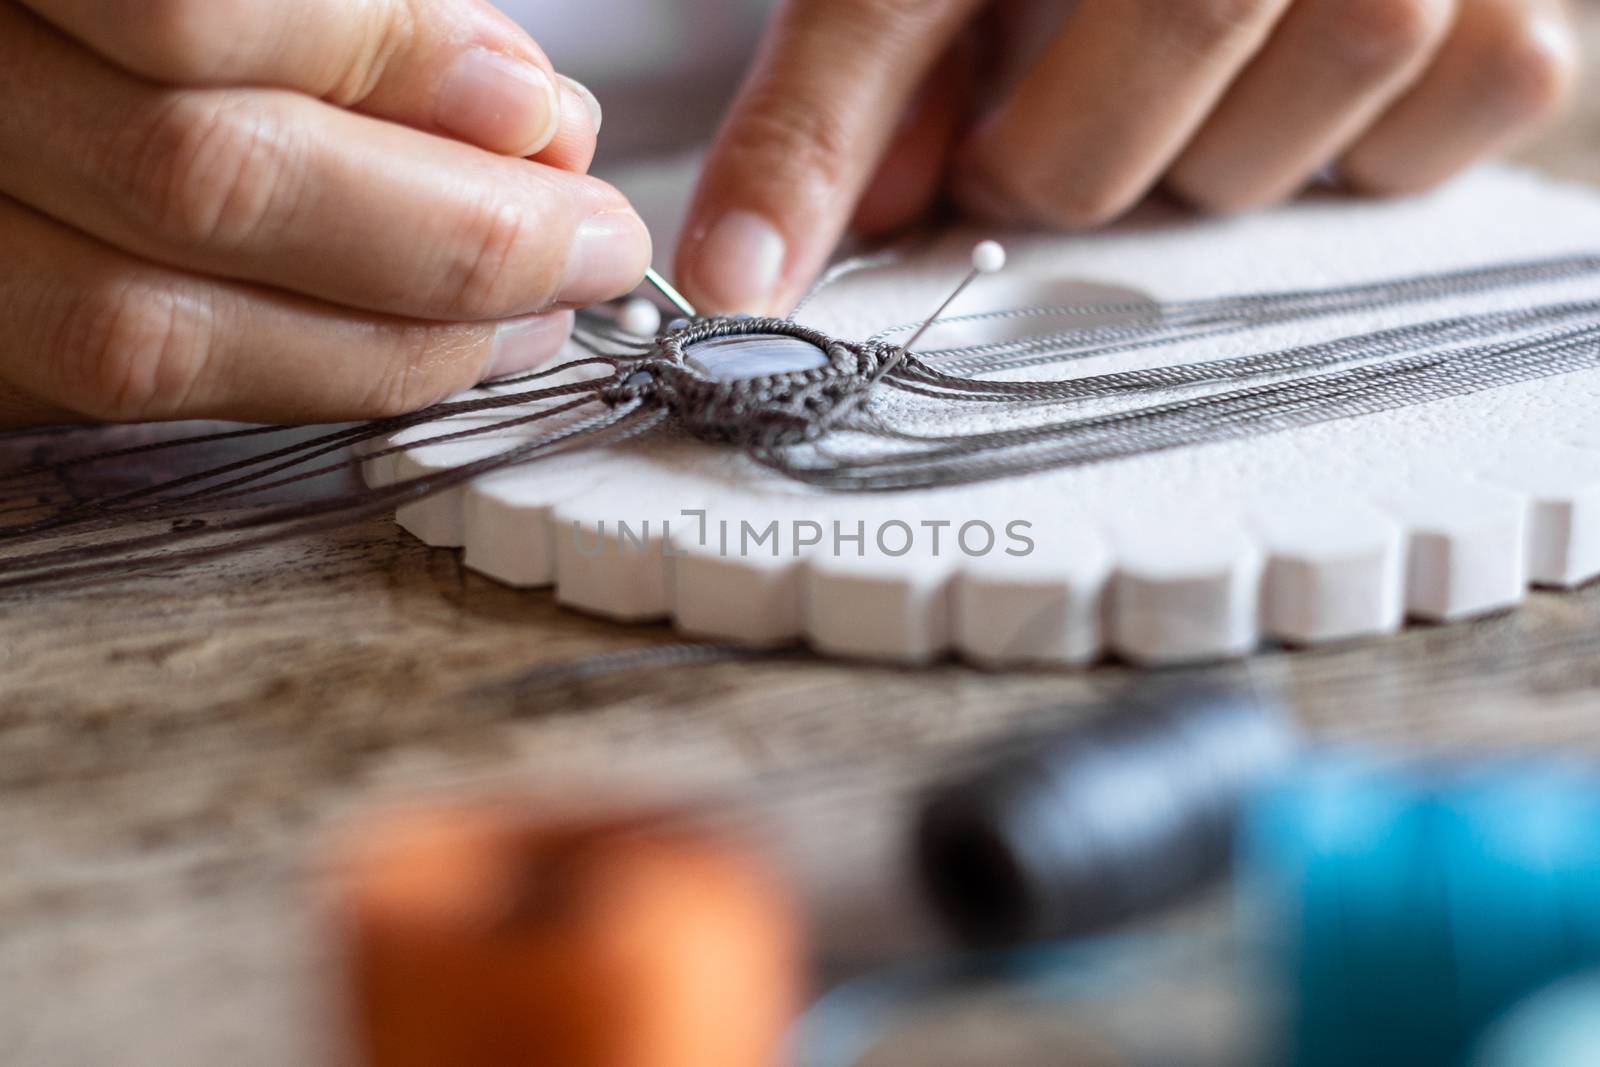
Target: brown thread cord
[296,454]
[279,524]
[803,424]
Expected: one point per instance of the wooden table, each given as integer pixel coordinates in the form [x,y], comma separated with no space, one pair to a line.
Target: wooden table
[172,748]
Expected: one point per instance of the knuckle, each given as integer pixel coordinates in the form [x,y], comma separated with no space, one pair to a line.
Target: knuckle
[1378,34]
[780,134]
[876,22]
[130,352]
[1086,207]
[482,279]
[914,9]
[911,14]
[213,169]
[1528,65]
[1205,23]
[390,31]
[1378,172]
[1048,197]
[1212,196]
[1075,202]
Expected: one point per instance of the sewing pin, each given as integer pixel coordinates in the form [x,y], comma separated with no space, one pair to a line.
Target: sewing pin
[989,257]
[674,297]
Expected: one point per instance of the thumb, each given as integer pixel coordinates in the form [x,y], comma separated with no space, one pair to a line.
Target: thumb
[806,134]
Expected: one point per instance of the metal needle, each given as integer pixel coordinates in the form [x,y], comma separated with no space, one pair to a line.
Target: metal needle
[674,297]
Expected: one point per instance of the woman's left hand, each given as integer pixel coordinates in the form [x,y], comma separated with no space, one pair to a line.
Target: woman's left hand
[869,110]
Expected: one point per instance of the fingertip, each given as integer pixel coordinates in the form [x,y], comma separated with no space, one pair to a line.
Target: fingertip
[522,344]
[736,265]
[500,102]
[589,103]
[572,148]
[610,252]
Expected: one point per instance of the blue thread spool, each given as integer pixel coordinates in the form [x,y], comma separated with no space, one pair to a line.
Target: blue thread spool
[1113,820]
[1403,911]
[1556,1027]
[1410,910]
[1406,913]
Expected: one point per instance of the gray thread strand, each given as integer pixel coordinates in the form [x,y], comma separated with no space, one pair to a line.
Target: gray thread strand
[1249,412]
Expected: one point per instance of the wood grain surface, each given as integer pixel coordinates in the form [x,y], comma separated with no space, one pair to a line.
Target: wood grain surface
[173,748]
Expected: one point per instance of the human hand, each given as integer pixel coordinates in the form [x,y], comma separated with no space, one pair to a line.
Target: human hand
[298,210]
[870,110]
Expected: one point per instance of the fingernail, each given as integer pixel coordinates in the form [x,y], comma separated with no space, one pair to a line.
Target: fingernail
[585,97]
[522,344]
[498,102]
[609,255]
[739,263]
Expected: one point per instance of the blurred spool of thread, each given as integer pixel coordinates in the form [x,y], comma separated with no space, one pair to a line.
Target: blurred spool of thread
[1410,908]
[482,936]
[1556,1027]
[1128,814]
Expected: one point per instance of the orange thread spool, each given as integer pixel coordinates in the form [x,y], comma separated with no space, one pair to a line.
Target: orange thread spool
[488,936]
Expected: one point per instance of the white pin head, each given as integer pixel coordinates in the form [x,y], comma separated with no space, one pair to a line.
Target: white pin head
[639,316]
[989,257]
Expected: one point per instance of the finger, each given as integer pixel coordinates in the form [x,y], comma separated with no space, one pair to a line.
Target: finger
[1326,74]
[911,176]
[809,128]
[274,187]
[458,67]
[105,336]
[1506,68]
[574,144]
[1108,107]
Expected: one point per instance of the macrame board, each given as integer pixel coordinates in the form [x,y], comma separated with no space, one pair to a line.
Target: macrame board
[1340,531]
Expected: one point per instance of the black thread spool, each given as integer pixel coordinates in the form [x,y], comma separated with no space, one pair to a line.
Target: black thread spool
[1128,814]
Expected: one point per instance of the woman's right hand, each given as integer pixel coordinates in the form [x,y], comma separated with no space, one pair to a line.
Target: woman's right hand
[288,210]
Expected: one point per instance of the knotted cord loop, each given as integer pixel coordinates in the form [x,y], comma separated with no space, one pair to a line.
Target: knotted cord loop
[773,409]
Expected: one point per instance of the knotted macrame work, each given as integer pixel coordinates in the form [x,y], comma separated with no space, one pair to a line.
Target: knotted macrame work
[981,420]
[858,419]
